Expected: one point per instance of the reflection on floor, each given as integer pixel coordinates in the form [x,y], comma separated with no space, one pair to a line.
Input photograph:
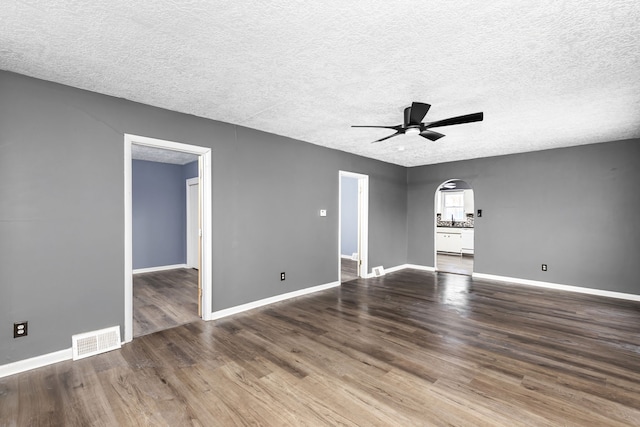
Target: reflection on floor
[164,299]
[455,263]
[348,270]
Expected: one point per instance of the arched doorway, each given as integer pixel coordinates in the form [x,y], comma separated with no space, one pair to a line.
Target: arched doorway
[454,227]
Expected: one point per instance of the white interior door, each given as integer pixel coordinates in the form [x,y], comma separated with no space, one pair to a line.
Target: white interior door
[193,229]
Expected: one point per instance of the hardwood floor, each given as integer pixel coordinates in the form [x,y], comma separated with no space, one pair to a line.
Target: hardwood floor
[457,264]
[408,348]
[164,299]
[348,270]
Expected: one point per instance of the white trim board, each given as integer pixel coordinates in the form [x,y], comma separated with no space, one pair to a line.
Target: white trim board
[159,268]
[204,166]
[266,301]
[558,286]
[363,220]
[411,266]
[517,281]
[35,362]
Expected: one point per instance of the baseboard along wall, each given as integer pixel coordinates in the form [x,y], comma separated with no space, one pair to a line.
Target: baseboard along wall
[159,268]
[66,354]
[35,362]
[558,286]
[266,301]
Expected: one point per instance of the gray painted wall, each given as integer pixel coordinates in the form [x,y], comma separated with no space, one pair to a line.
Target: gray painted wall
[62,203]
[349,216]
[62,210]
[159,214]
[572,208]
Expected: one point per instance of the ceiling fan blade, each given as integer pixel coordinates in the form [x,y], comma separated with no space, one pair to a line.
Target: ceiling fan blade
[407,116]
[397,127]
[429,134]
[467,118]
[418,111]
[387,137]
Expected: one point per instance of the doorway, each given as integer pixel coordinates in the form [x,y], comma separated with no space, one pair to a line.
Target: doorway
[204,214]
[353,228]
[454,230]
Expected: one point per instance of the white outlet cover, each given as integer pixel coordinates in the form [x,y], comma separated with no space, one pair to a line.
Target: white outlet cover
[323,212]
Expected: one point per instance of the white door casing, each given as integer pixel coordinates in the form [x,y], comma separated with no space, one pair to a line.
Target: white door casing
[363,222]
[206,206]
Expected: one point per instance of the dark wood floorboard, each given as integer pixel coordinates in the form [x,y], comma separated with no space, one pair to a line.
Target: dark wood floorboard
[348,270]
[164,299]
[410,348]
[457,264]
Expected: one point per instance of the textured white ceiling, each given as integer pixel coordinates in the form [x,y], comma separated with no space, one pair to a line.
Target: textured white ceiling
[546,74]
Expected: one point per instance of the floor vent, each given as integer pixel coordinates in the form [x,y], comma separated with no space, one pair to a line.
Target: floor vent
[378,271]
[95,342]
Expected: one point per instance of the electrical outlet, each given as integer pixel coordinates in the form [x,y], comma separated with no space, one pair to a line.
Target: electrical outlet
[282,276]
[544,267]
[20,329]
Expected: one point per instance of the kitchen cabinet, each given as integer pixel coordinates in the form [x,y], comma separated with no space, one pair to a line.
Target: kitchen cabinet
[467,241]
[455,240]
[468,202]
[449,240]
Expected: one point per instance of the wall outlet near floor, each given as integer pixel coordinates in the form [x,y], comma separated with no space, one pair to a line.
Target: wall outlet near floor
[544,267]
[20,329]
[282,276]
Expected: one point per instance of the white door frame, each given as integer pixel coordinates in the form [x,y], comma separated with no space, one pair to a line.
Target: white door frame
[190,182]
[205,191]
[363,221]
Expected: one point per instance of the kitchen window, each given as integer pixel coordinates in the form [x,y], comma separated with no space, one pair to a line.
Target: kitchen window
[453,206]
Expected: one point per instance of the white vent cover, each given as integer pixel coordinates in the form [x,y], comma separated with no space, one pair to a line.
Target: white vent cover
[378,271]
[95,342]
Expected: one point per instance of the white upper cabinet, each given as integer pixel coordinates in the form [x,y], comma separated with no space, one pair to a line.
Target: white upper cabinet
[468,201]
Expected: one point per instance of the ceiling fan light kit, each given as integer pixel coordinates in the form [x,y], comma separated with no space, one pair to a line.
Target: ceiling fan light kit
[413,124]
[412,131]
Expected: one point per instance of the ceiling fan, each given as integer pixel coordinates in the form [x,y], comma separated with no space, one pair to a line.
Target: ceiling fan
[413,124]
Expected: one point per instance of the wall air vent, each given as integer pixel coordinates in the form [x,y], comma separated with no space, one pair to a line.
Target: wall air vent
[95,342]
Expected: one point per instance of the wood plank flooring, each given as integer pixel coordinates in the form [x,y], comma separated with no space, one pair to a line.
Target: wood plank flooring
[409,348]
[164,299]
[348,270]
[457,264]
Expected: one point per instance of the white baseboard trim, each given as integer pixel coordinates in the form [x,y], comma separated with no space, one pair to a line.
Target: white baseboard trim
[549,285]
[399,268]
[255,304]
[35,362]
[345,256]
[411,266]
[159,268]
